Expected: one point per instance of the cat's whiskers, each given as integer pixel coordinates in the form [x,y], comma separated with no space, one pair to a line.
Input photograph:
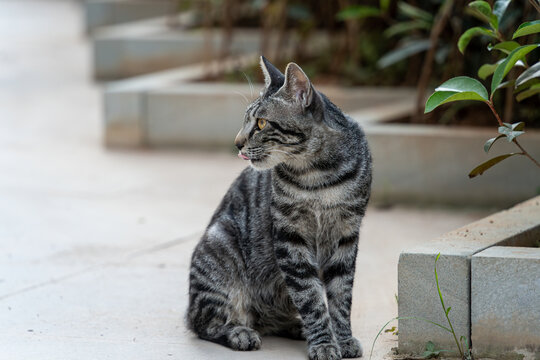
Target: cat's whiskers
[250,84]
[242,95]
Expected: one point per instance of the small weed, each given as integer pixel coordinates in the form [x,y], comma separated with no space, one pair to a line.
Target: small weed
[463,343]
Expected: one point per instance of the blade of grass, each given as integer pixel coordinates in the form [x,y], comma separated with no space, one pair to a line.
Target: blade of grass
[444,308]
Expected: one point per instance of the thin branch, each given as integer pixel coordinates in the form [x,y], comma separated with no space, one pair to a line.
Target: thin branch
[535,4]
[490,104]
[526,153]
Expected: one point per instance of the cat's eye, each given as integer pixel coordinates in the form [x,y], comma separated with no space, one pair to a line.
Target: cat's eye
[261,123]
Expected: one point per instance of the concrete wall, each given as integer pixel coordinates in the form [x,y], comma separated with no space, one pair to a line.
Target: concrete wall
[100,13]
[418,297]
[505,307]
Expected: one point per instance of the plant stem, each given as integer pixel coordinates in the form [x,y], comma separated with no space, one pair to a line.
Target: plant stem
[445,309]
[535,4]
[526,153]
[490,104]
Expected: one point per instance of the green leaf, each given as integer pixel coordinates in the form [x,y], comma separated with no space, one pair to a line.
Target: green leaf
[464,83]
[510,132]
[448,310]
[392,329]
[533,90]
[488,69]
[509,83]
[480,169]
[407,49]
[499,8]
[456,89]
[530,73]
[482,10]
[430,346]
[406,26]
[518,126]
[490,142]
[355,12]
[505,46]
[508,63]
[527,28]
[414,12]
[470,33]
[527,84]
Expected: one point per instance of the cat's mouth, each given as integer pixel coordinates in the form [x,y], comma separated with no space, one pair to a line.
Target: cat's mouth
[242,156]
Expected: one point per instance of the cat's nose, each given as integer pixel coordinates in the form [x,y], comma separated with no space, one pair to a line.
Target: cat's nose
[239,141]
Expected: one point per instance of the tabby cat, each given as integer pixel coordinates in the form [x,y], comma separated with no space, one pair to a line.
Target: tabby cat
[278,256]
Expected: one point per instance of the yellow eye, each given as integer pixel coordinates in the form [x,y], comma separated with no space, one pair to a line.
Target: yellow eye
[261,123]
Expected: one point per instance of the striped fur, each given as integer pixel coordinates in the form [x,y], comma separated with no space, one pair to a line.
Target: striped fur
[278,256]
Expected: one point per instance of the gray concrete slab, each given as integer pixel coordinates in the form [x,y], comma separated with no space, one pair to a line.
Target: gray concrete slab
[95,244]
[100,13]
[505,291]
[418,296]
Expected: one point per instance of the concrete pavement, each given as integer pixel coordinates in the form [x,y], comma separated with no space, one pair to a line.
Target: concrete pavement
[95,243]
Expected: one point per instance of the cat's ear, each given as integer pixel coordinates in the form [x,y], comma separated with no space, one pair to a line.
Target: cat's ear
[273,78]
[297,85]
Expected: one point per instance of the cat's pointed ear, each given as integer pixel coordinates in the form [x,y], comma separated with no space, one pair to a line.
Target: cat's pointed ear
[273,78]
[297,85]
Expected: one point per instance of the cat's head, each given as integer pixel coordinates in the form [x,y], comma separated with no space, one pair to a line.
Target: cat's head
[278,125]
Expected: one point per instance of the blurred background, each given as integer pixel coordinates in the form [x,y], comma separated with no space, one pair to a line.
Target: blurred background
[117,121]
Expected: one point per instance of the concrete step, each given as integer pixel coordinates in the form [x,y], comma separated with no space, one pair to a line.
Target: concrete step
[99,13]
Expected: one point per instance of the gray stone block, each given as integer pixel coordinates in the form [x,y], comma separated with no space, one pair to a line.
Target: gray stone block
[100,13]
[505,308]
[417,292]
[150,46]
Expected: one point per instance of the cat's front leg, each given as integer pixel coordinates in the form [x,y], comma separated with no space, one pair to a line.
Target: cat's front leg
[296,262]
[338,276]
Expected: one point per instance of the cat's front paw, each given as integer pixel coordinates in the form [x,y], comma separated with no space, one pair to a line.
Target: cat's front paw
[244,339]
[324,352]
[351,348]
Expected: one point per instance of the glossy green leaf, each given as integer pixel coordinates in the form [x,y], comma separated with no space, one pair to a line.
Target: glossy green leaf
[490,142]
[529,74]
[406,26]
[533,90]
[506,84]
[462,84]
[508,63]
[358,12]
[488,69]
[505,46]
[480,169]
[482,10]
[499,8]
[512,131]
[457,89]
[414,12]
[527,84]
[467,36]
[407,49]
[527,28]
